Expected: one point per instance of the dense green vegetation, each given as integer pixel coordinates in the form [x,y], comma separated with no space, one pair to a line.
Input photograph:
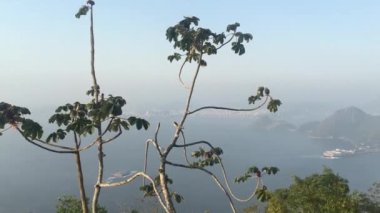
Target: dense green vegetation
[71,204]
[325,192]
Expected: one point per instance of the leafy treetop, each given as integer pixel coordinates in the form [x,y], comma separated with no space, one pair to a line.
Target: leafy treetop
[195,41]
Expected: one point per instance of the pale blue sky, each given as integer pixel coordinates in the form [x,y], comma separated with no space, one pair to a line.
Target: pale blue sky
[320,50]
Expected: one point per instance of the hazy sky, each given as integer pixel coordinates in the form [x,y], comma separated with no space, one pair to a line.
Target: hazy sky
[305,51]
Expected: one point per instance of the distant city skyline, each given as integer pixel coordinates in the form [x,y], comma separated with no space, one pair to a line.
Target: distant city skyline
[305,51]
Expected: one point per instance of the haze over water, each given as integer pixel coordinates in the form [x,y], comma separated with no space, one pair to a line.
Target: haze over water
[36,178]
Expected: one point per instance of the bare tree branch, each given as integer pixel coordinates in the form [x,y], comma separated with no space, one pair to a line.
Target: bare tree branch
[55,145]
[155,141]
[10,126]
[100,137]
[233,208]
[184,147]
[180,74]
[125,182]
[89,145]
[180,125]
[258,181]
[195,143]
[108,126]
[146,157]
[114,137]
[147,142]
[155,144]
[41,146]
[230,109]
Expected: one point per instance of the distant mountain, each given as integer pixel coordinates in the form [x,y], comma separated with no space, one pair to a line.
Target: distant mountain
[309,127]
[350,124]
[266,123]
[372,106]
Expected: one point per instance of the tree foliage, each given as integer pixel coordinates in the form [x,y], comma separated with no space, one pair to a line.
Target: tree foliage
[325,192]
[71,204]
[15,116]
[194,41]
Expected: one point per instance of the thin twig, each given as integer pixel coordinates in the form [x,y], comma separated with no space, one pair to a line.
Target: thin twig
[108,126]
[100,138]
[156,139]
[155,144]
[195,143]
[54,145]
[230,109]
[184,147]
[89,145]
[180,75]
[114,137]
[6,129]
[258,181]
[146,157]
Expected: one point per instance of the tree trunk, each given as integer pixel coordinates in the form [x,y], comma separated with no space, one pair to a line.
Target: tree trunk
[82,191]
[95,198]
[165,189]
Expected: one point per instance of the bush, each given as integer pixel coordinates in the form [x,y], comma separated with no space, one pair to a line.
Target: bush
[71,204]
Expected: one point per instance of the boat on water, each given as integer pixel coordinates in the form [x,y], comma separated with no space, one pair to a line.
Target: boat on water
[360,149]
[337,153]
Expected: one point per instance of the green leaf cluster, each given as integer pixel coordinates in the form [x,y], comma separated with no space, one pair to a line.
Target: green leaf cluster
[93,91]
[177,197]
[207,158]
[14,115]
[149,190]
[83,118]
[273,105]
[82,11]
[255,171]
[10,114]
[71,204]
[60,134]
[31,129]
[75,117]
[263,194]
[105,108]
[195,41]
[139,122]
[261,92]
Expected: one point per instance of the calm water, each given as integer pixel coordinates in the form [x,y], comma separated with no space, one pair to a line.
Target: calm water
[32,179]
